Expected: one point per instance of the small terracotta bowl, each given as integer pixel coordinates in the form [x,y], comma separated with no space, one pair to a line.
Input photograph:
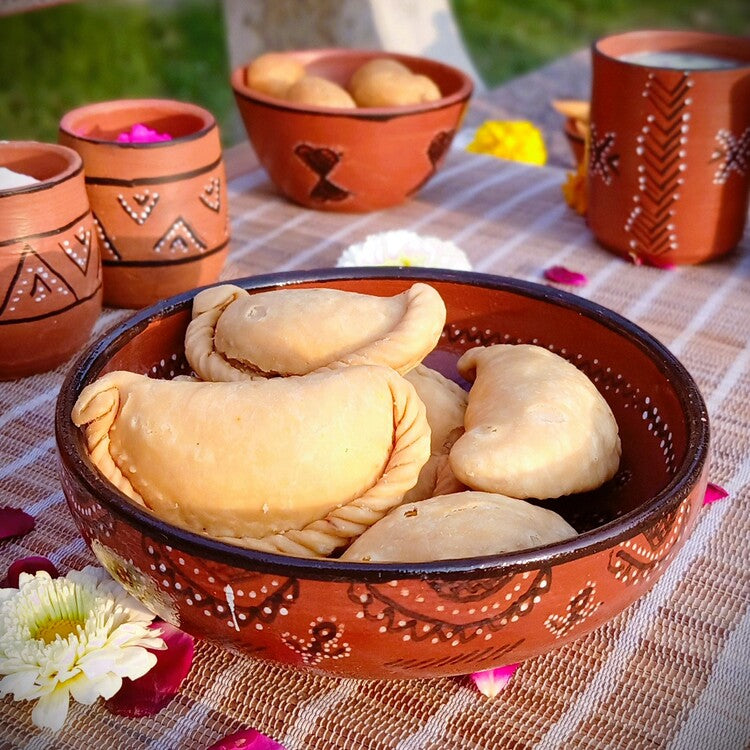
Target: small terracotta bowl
[418,619]
[50,268]
[160,208]
[359,159]
[576,141]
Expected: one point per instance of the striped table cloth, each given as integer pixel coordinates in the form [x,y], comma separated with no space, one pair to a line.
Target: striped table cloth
[673,671]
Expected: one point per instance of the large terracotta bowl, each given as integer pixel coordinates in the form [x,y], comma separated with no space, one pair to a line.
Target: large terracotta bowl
[160,208]
[50,268]
[359,159]
[418,619]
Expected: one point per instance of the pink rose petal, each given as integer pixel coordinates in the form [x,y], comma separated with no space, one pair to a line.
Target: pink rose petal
[665,265]
[492,681]
[140,133]
[15,522]
[714,493]
[147,695]
[247,739]
[562,275]
[29,565]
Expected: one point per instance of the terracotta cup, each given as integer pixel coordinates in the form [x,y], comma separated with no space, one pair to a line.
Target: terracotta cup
[160,208]
[669,161]
[50,268]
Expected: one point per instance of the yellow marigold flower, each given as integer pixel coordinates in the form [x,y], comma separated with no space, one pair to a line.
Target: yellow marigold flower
[516,140]
[574,190]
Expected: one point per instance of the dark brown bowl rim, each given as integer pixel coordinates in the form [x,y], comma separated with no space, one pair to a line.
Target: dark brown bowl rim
[208,118]
[74,168]
[360,113]
[71,449]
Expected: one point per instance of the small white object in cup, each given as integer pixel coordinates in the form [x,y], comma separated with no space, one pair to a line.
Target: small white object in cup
[10,179]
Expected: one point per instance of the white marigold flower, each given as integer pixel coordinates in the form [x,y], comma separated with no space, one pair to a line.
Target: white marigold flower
[401,247]
[77,635]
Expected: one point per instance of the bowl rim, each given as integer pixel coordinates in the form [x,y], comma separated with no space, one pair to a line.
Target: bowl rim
[464,92]
[687,476]
[73,169]
[175,106]
[676,40]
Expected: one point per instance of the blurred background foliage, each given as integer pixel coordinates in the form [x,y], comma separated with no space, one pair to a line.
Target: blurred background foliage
[59,57]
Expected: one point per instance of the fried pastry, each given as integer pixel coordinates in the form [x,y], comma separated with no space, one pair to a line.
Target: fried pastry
[377,66]
[445,404]
[394,89]
[235,335]
[462,524]
[297,465]
[273,73]
[319,92]
[535,425]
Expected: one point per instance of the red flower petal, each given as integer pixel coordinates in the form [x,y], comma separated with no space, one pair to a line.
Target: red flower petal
[147,695]
[562,275]
[15,522]
[27,565]
[492,681]
[714,493]
[247,739]
[666,265]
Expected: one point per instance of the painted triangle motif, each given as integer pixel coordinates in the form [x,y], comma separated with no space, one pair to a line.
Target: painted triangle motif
[146,202]
[108,249]
[211,195]
[35,291]
[180,239]
[78,249]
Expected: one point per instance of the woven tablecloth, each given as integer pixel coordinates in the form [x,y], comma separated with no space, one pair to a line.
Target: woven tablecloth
[673,671]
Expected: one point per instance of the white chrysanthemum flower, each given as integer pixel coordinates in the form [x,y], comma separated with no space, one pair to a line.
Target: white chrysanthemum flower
[401,247]
[77,635]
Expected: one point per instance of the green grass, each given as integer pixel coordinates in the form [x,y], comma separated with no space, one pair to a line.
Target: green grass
[509,38]
[54,59]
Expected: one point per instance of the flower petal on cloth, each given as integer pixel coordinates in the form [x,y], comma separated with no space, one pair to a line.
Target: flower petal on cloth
[562,275]
[29,565]
[516,140]
[401,247]
[147,695]
[575,191]
[491,681]
[247,739]
[51,710]
[15,522]
[714,493]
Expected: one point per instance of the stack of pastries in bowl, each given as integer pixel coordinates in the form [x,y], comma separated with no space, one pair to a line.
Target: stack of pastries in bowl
[311,427]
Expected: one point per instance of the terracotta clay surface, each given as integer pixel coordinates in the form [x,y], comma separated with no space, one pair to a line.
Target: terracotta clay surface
[160,208]
[407,620]
[360,159]
[50,268]
[669,170]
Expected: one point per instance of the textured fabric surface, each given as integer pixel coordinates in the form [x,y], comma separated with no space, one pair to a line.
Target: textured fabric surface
[670,672]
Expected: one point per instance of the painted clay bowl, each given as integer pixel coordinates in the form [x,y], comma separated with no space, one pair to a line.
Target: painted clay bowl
[359,159]
[50,268]
[160,208]
[418,619]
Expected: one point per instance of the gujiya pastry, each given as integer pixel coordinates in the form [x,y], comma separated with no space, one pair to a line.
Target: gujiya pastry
[381,82]
[312,428]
